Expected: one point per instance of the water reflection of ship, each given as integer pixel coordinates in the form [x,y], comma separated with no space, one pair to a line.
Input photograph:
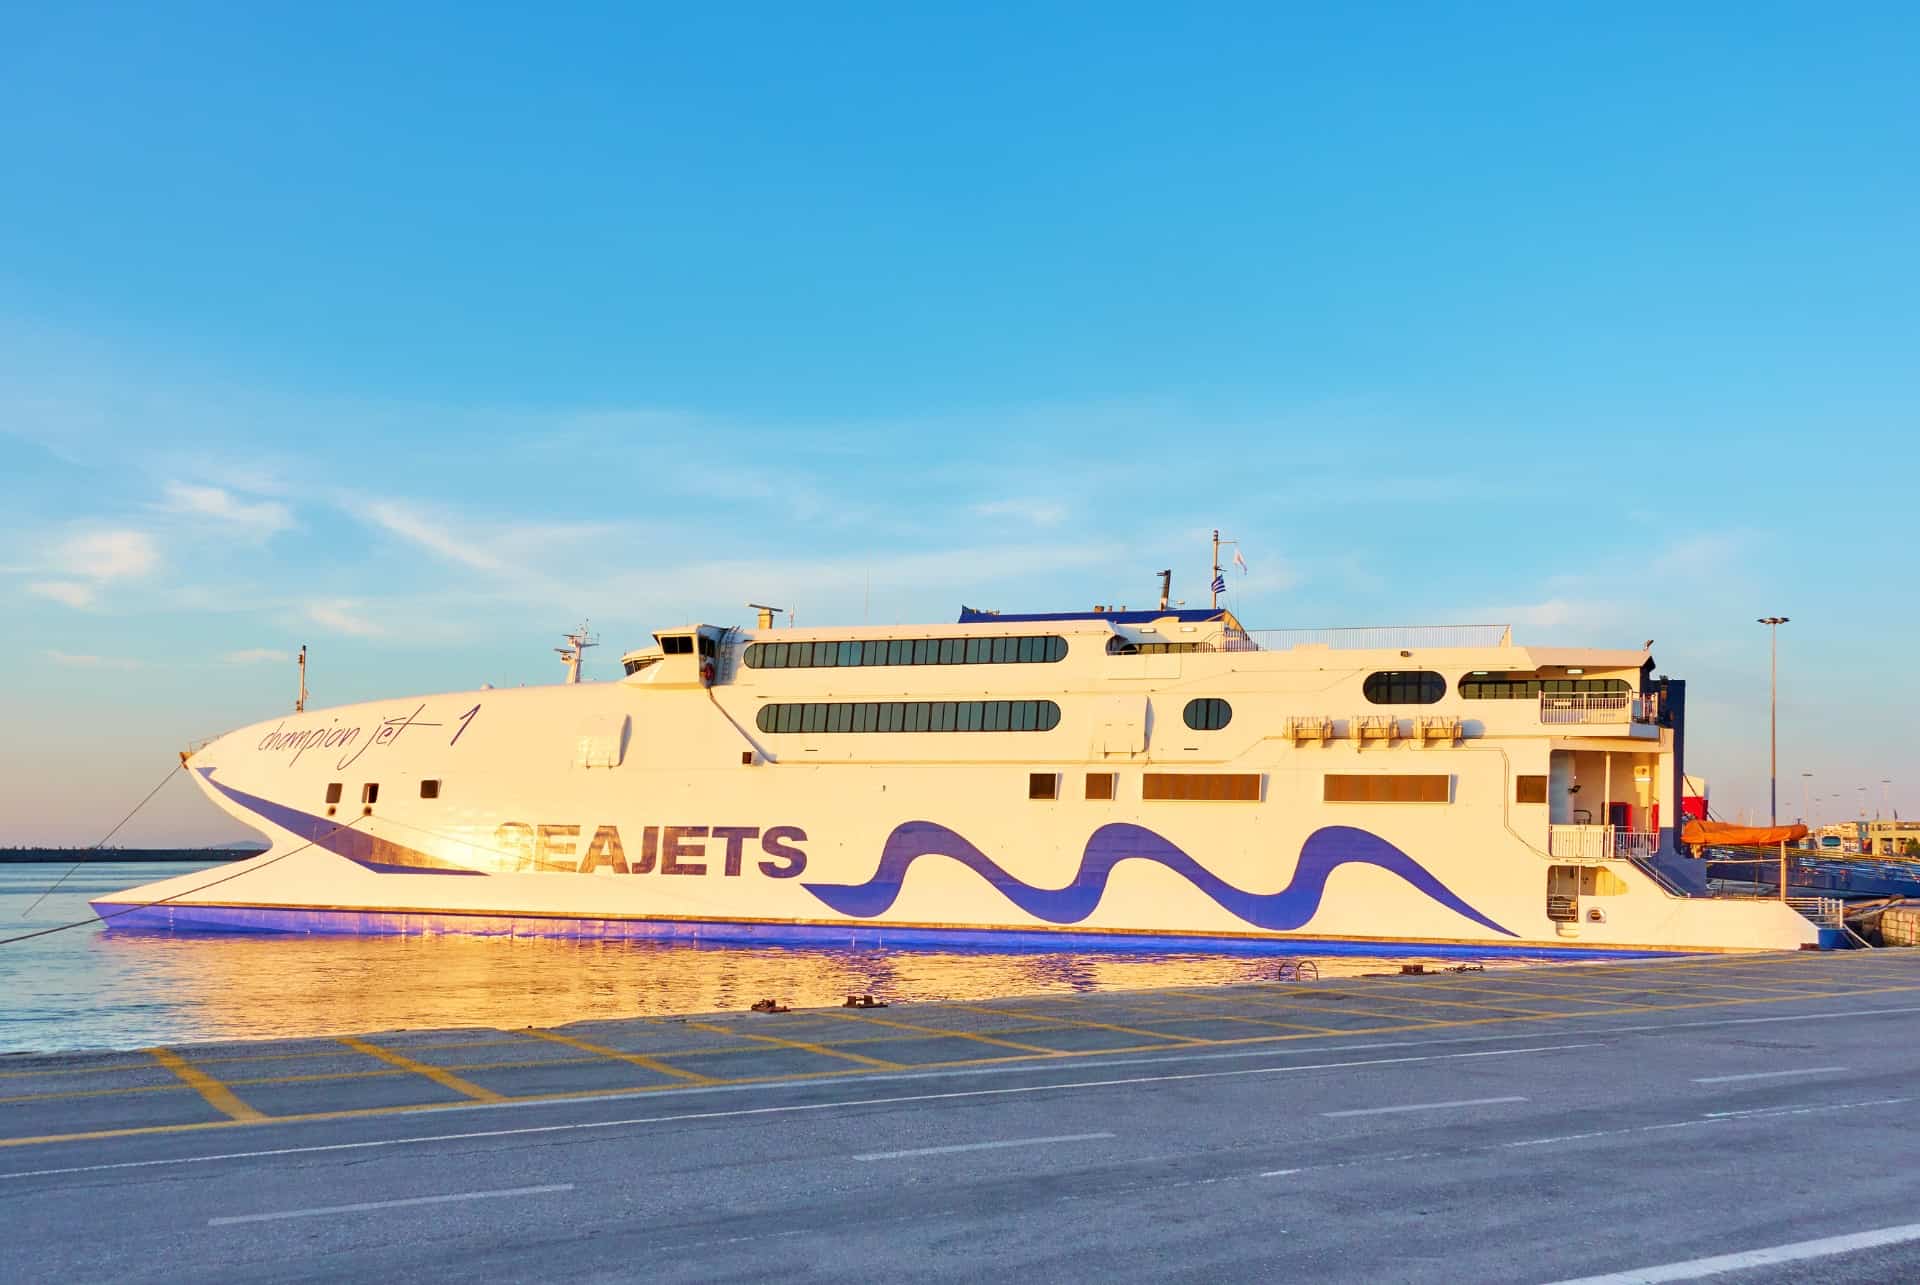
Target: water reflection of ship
[245,987]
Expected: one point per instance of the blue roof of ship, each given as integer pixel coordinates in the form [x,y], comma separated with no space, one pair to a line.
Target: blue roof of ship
[1190,615]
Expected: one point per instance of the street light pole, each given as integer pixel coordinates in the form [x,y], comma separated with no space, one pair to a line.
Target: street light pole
[1773,624]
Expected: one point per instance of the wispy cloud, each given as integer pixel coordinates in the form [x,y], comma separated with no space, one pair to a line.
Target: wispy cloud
[339,616]
[108,555]
[255,656]
[259,518]
[70,592]
[434,534]
[1035,512]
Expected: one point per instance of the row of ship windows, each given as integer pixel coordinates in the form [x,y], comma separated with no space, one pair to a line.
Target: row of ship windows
[910,716]
[370,792]
[1208,714]
[1424,687]
[1039,649]
[1244,787]
[1190,786]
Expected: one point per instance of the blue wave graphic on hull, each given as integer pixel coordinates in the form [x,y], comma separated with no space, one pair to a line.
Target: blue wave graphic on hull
[1326,850]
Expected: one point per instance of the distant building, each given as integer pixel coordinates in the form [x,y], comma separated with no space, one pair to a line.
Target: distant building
[1872,838]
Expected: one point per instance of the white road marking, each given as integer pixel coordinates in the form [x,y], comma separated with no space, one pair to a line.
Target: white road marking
[983,1146]
[322,1211]
[1766,1075]
[1545,1027]
[1799,1251]
[1418,1106]
[790,1109]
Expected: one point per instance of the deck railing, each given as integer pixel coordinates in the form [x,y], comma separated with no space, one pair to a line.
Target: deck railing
[1598,707]
[1364,637]
[1601,843]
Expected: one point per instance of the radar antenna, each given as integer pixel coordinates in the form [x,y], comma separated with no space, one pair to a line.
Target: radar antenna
[577,643]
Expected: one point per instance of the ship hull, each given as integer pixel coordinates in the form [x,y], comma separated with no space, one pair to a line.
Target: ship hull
[630,810]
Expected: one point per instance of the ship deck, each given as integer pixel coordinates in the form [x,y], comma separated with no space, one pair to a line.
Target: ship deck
[1522,1124]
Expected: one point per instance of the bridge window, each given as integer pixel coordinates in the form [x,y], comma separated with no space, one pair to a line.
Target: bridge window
[909,716]
[1117,646]
[1036,649]
[1404,687]
[1493,685]
[677,645]
[1385,788]
[1208,714]
[1216,787]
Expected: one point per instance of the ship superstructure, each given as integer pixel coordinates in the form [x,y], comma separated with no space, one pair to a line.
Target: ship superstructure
[1106,776]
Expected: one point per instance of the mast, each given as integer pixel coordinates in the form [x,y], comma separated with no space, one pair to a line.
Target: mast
[1213,577]
[300,700]
[577,643]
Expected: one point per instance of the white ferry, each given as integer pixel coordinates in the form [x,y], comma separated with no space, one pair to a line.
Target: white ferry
[1150,778]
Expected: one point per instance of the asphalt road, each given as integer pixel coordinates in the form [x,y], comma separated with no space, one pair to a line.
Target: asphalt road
[1687,1138]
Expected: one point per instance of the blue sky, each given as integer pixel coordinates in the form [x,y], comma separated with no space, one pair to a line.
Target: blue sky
[419,335]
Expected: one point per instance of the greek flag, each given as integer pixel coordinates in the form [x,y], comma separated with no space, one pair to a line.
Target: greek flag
[1219,583]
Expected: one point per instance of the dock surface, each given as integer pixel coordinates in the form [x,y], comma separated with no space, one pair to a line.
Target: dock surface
[1698,1115]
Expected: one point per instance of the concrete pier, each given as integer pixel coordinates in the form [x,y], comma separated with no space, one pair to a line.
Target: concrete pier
[1699,1116]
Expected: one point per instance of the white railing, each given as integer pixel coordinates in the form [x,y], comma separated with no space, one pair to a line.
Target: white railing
[1598,707]
[1828,912]
[1364,637]
[1601,843]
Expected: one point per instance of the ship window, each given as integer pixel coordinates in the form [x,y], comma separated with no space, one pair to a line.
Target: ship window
[1217,787]
[1118,646]
[1529,789]
[1528,686]
[677,645]
[1043,785]
[370,792]
[1208,714]
[1034,649]
[333,792]
[910,716]
[707,648]
[1404,687]
[1100,785]
[429,789]
[1385,788]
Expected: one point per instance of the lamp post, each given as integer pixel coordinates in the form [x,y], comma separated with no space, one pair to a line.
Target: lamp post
[1773,624]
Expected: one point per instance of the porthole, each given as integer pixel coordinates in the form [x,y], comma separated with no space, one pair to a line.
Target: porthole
[1208,714]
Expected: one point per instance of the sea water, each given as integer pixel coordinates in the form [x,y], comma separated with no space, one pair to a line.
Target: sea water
[83,987]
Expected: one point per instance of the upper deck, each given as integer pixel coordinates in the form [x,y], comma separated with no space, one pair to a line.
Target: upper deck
[1432,684]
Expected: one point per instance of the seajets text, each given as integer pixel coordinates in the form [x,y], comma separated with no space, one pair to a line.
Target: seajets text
[671,849]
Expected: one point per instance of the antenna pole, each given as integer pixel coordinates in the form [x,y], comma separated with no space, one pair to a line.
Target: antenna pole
[1214,575]
[300,700]
[1166,587]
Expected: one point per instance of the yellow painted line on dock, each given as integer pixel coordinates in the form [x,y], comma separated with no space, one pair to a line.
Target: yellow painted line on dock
[218,1096]
[934,1030]
[618,1055]
[1052,1021]
[77,1070]
[801,1045]
[445,1079]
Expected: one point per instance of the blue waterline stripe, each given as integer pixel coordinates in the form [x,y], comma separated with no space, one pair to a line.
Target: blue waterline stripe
[254,919]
